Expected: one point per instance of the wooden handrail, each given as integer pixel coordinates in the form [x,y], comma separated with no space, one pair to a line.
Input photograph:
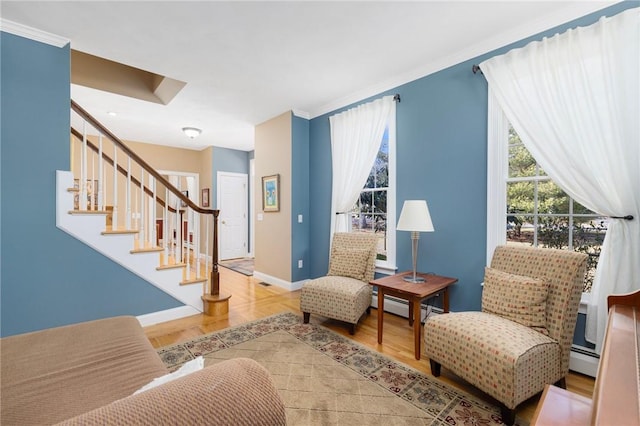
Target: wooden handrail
[215,274]
[135,157]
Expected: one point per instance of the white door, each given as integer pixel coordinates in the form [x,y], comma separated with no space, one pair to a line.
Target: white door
[232,202]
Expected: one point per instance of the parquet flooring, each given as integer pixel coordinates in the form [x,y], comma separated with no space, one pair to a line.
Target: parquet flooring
[251,300]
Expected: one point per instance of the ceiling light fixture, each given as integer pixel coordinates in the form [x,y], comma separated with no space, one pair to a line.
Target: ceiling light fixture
[112,113]
[191,132]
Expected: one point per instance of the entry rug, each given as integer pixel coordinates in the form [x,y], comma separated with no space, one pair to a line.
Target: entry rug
[244,266]
[327,379]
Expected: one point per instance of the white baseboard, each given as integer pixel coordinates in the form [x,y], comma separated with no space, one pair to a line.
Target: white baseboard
[401,307]
[167,315]
[291,286]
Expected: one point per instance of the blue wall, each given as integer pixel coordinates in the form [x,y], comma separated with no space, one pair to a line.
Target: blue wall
[299,198]
[227,160]
[48,278]
[442,156]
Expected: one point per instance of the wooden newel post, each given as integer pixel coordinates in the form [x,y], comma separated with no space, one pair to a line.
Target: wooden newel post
[215,274]
[214,302]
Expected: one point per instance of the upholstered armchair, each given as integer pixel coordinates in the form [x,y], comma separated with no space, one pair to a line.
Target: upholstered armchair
[344,293]
[522,338]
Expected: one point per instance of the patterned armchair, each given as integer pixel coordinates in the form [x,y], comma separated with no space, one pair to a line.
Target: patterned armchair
[522,338]
[344,293]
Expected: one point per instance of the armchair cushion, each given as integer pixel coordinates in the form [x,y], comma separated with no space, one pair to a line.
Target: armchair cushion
[516,297]
[349,262]
[505,359]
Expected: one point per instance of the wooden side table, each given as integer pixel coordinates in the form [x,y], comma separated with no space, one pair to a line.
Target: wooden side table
[414,293]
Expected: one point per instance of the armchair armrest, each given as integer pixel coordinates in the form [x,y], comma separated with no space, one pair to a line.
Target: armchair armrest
[237,391]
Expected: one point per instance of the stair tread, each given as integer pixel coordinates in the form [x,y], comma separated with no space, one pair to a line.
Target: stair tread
[119,231]
[193,281]
[171,266]
[146,250]
[88,212]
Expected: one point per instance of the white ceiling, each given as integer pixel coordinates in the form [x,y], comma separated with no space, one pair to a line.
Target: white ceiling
[247,62]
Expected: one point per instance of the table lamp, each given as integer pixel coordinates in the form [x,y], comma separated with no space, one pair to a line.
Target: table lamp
[415,217]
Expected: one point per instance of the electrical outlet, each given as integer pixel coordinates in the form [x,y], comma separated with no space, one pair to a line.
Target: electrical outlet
[300,264]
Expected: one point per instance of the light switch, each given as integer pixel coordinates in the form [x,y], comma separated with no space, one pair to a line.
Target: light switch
[260,216]
[299,218]
[299,263]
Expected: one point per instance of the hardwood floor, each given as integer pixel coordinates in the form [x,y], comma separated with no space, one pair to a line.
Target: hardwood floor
[251,300]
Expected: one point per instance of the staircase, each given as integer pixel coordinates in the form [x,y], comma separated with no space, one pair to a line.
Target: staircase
[128,206]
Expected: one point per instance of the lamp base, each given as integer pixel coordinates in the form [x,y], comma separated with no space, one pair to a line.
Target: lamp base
[409,278]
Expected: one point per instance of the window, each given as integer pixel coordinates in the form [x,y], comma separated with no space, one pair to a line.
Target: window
[526,207]
[374,211]
[539,213]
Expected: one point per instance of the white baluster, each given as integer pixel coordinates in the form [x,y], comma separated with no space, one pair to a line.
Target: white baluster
[196,242]
[141,214]
[206,250]
[128,195]
[114,220]
[187,241]
[99,190]
[165,228]
[135,210]
[82,204]
[93,182]
[152,213]
[178,230]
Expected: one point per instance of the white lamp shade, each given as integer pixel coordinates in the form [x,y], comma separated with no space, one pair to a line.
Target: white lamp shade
[415,217]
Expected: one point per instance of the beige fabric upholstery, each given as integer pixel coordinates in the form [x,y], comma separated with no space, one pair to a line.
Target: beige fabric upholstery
[505,359]
[515,297]
[80,370]
[235,392]
[343,297]
[51,375]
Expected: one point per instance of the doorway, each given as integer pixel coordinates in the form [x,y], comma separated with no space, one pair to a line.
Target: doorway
[232,201]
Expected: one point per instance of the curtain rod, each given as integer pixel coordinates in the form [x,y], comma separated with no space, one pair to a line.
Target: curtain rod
[627,217]
[396,97]
[476,69]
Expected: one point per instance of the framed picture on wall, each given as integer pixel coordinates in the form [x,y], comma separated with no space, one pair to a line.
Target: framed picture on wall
[205,197]
[271,193]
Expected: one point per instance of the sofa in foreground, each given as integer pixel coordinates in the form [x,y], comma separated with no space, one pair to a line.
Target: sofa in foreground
[87,373]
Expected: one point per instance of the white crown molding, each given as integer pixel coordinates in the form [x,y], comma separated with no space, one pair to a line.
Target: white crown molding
[301,114]
[32,33]
[575,10]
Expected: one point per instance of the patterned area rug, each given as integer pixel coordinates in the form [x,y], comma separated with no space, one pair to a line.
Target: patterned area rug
[244,266]
[327,379]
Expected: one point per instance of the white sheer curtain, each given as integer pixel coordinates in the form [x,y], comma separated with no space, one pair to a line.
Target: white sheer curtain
[355,140]
[574,99]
